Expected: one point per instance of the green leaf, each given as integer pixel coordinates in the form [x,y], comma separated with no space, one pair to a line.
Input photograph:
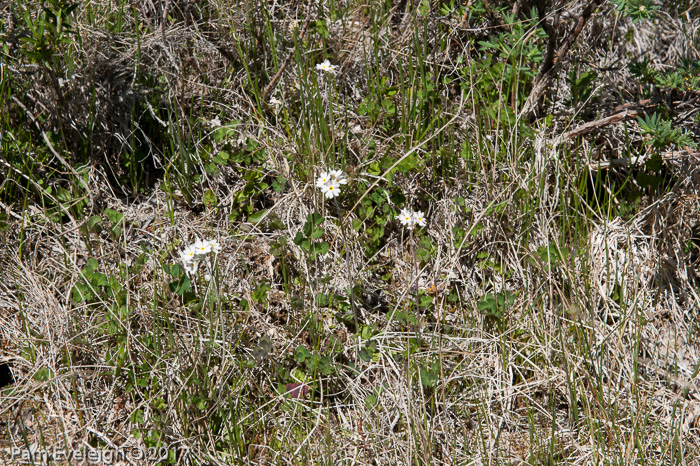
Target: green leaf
[275,222]
[158,403]
[478,228]
[81,293]
[90,267]
[488,304]
[113,216]
[175,270]
[181,285]
[225,131]
[407,164]
[365,356]
[260,294]
[370,401]
[99,279]
[654,163]
[322,300]
[93,221]
[137,417]
[43,374]
[279,184]
[356,224]
[319,248]
[428,378]
[326,365]
[221,158]
[257,216]
[299,239]
[551,254]
[317,233]
[301,354]
[209,198]
[315,219]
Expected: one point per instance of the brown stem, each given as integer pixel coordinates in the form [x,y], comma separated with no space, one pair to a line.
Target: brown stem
[549,66]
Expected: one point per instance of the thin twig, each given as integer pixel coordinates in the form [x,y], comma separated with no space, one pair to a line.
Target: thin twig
[550,66]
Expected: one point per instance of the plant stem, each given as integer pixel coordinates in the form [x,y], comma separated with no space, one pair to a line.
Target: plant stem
[415,284]
[347,261]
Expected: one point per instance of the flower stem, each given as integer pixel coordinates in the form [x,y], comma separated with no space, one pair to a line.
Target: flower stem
[415,283]
[347,261]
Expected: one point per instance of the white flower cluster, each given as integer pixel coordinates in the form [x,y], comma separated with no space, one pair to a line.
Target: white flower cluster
[329,183]
[193,254]
[276,104]
[411,219]
[327,67]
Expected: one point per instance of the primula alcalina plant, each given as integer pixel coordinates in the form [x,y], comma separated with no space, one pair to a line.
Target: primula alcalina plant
[327,67]
[195,253]
[411,219]
[329,183]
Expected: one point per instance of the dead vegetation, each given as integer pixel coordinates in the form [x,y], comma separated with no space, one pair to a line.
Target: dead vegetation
[547,313]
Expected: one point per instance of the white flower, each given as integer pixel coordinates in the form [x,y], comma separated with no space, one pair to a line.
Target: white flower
[329,182]
[338,176]
[410,219]
[214,246]
[207,276]
[276,103]
[191,267]
[323,179]
[202,247]
[331,189]
[327,67]
[215,123]
[419,218]
[406,218]
[188,254]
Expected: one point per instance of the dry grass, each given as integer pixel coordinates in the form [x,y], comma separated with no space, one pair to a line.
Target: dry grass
[594,360]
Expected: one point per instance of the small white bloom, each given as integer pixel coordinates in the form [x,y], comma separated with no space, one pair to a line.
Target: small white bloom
[338,176]
[642,8]
[207,276]
[327,67]
[410,219]
[202,247]
[191,267]
[406,218]
[214,246]
[331,189]
[215,123]
[275,102]
[419,218]
[187,255]
[323,180]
